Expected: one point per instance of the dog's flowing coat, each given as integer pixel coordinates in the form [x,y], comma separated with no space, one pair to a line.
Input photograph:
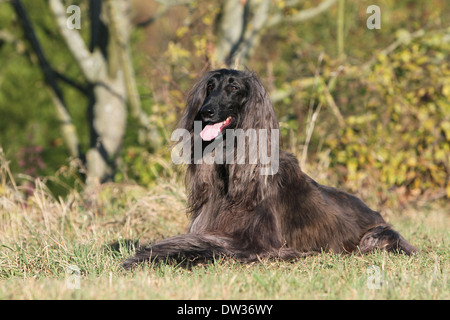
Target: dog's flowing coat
[237,212]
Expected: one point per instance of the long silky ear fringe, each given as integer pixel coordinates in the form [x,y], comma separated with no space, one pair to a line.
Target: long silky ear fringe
[257,114]
[258,111]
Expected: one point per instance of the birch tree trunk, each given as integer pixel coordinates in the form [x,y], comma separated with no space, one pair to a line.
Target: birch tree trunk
[243,22]
[230,30]
[104,72]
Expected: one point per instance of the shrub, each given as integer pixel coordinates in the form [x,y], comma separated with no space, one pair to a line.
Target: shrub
[400,131]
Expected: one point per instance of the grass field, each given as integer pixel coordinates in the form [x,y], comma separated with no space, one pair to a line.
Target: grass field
[57,249]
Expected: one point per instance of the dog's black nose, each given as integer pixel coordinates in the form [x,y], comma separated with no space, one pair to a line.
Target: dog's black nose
[207,112]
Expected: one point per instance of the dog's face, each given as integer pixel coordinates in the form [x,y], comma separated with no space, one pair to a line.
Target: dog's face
[226,93]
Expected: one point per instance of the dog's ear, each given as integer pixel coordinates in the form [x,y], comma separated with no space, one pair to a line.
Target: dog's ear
[258,111]
[251,180]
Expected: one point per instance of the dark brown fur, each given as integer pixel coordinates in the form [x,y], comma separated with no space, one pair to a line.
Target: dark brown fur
[237,212]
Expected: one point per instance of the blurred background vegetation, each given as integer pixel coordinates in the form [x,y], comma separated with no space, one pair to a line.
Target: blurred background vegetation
[365,110]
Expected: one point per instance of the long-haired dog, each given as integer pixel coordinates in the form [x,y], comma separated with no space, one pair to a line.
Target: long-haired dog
[240,209]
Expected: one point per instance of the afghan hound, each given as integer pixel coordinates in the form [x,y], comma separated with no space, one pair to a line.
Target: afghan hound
[247,208]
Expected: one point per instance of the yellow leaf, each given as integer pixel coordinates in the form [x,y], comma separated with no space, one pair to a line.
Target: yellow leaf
[352,165]
[429,124]
[405,56]
[182,31]
[411,162]
[446,90]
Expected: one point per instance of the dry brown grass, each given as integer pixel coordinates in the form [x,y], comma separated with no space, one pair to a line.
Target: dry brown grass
[42,236]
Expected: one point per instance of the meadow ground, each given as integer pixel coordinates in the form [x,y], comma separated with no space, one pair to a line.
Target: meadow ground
[58,249]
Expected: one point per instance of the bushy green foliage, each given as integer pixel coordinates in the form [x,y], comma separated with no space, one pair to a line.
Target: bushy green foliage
[400,129]
[144,167]
[27,113]
[396,107]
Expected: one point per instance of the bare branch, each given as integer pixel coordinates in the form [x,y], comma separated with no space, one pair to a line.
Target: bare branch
[312,117]
[231,30]
[162,10]
[51,76]
[302,15]
[92,65]
[331,103]
[405,39]
[252,34]
[117,29]
[68,129]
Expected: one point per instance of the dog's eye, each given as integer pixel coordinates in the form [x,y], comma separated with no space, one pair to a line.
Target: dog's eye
[234,88]
[210,87]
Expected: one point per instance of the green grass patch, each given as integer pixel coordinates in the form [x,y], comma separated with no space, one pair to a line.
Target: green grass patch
[57,249]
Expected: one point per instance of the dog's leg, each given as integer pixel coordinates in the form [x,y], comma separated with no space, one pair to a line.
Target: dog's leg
[385,238]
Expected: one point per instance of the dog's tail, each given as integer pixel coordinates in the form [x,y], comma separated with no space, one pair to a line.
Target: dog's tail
[187,248]
[194,248]
[385,238]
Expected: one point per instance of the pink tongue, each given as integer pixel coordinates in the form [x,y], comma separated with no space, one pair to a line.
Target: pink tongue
[211,131]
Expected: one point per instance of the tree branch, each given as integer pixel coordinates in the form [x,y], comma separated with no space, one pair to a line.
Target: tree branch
[92,65]
[302,15]
[252,34]
[162,10]
[50,76]
[119,36]
[405,39]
